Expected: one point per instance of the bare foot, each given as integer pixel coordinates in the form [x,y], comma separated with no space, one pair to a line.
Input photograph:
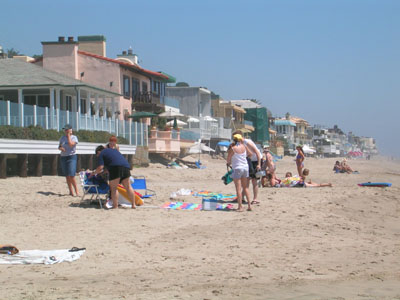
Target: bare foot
[249,209]
[240,209]
[133,207]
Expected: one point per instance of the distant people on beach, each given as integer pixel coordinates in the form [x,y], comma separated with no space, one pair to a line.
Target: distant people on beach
[345,167]
[67,146]
[337,167]
[119,172]
[112,143]
[300,160]
[254,162]
[237,158]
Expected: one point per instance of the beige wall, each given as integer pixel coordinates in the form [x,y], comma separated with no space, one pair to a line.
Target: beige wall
[61,58]
[95,47]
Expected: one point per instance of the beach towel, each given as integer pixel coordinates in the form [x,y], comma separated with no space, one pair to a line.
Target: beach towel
[218,196]
[47,257]
[193,206]
[290,181]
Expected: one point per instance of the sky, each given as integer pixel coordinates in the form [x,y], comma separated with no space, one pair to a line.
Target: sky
[331,62]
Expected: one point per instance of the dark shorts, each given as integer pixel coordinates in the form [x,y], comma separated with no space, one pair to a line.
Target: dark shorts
[68,165]
[252,168]
[119,172]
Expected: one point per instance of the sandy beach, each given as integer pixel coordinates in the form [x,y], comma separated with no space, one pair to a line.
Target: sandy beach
[306,243]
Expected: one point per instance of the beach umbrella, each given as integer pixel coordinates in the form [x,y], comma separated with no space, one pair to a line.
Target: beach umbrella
[176,123]
[142,114]
[192,120]
[170,114]
[208,118]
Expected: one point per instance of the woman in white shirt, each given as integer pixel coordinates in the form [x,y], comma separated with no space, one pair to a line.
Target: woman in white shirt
[237,154]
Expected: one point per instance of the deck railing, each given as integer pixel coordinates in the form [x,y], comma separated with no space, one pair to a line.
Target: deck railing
[33,115]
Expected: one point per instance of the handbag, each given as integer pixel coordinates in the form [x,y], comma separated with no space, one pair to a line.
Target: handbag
[227,178]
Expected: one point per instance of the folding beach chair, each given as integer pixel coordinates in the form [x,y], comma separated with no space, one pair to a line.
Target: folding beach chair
[93,186]
[139,184]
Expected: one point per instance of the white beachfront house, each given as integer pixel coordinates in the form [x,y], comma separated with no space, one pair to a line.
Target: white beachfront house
[32,95]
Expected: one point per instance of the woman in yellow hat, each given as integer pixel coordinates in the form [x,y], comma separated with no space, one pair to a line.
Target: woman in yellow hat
[237,159]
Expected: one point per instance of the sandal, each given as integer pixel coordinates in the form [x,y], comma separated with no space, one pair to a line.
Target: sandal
[255,202]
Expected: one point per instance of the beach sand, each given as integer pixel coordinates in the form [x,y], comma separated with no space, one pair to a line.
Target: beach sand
[306,243]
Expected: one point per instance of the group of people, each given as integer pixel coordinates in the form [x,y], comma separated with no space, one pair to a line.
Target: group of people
[342,167]
[245,160]
[109,160]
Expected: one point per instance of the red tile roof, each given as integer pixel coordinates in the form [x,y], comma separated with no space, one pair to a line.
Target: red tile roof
[136,67]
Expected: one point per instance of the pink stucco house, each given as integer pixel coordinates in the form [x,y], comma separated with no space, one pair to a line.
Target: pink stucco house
[85,59]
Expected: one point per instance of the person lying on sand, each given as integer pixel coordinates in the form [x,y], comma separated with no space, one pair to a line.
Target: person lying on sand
[306,172]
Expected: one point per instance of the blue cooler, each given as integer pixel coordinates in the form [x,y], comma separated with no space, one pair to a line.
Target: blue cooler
[209,204]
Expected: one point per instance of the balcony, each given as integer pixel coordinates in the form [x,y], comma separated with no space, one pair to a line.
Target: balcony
[164,141]
[145,99]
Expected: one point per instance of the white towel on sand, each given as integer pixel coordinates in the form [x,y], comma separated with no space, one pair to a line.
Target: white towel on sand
[47,257]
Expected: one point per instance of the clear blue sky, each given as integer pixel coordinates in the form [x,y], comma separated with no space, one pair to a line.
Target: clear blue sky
[329,62]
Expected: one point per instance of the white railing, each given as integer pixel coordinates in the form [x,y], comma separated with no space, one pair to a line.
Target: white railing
[11,146]
[135,133]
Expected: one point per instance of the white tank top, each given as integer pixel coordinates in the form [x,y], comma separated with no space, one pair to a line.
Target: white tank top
[239,160]
[254,155]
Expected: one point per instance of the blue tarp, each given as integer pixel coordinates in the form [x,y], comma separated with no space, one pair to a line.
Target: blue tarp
[224,143]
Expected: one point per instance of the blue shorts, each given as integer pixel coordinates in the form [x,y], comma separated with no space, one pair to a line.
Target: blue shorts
[240,173]
[68,165]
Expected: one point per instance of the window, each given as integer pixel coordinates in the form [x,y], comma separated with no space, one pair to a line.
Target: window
[83,106]
[30,100]
[135,87]
[144,87]
[68,103]
[126,87]
[43,101]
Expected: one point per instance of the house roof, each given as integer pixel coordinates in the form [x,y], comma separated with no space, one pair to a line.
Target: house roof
[298,120]
[284,122]
[245,103]
[163,77]
[15,73]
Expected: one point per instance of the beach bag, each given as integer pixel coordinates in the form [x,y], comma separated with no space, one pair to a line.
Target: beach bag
[227,178]
[8,249]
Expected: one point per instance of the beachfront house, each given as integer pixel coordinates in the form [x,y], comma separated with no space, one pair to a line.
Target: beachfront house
[138,89]
[285,131]
[257,117]
[233,115]
[31,95]
[196,103]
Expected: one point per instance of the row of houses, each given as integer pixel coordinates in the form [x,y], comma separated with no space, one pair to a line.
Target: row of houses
[75,82]
[321,140]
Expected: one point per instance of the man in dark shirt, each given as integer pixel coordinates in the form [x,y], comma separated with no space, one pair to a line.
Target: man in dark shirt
[119,172]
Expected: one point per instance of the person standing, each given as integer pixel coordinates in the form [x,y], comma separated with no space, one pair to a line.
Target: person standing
[299,160]
[268,165]
[237,158]
[254,163]
[67,146]
[112,143]
[119,172]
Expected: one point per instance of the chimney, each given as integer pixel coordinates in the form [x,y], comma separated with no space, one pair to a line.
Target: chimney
[61,39]
[130,51]
[70,39]
[95,44]
[123,52]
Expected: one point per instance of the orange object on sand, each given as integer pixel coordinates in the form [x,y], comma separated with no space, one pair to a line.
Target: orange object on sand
[122,191]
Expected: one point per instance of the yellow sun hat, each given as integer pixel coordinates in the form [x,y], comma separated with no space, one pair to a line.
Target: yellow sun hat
[238,137]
